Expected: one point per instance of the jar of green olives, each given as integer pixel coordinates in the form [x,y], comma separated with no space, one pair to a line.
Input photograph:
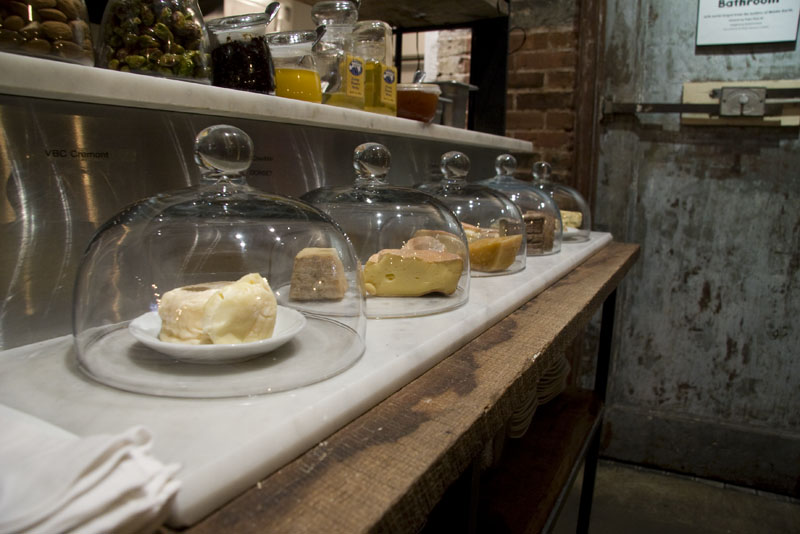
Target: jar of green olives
[158,37]
[55,29]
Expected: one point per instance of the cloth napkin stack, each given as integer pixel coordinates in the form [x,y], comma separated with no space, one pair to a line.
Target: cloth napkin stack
[54,481]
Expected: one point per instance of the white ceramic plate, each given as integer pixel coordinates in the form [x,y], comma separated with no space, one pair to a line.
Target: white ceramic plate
[288,324]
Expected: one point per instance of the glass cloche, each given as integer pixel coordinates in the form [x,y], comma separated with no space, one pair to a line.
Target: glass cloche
[576,218]
[219,289]
[493,223]
[412,247]
[539,211]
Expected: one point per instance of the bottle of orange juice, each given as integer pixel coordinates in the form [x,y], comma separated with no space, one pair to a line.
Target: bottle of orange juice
[296,73]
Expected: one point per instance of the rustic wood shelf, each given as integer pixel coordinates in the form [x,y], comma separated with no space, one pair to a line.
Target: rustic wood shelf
[386,470]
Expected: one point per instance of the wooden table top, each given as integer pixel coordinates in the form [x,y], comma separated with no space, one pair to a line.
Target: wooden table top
[387,469]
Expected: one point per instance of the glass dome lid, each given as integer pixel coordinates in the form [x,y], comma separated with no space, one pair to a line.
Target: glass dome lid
[539,211]
[576,218]
[492,222]
[412,247]
[218,290]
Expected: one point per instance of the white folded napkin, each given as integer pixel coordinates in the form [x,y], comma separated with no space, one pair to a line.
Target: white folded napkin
[54,481]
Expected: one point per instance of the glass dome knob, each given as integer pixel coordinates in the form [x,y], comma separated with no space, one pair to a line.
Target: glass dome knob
[371,162]
[542,171]
[505,165]
[223,150]
[455,165]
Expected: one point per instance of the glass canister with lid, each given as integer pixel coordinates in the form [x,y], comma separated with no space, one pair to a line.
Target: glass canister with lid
[341,68]
[373,42]
[240,53]
[54,29]
[539,211]
[165,38]
[218,289]
[296,73]
[412,247]
[576,218]
[492,223]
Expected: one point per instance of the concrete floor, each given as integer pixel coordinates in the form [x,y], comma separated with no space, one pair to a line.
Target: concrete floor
[632,500]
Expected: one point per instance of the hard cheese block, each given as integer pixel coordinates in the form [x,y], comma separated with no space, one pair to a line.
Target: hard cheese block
[494,254]
[412,273]
[318,274]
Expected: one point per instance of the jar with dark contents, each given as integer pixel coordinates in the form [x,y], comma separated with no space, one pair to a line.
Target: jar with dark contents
[56,29]
[240,53]
[159,37]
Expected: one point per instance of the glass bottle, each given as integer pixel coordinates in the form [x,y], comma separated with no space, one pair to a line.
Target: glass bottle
[576,218]
[159,37]
[373,40]
[341,70]
[54,30]
[539,211]
[296,73]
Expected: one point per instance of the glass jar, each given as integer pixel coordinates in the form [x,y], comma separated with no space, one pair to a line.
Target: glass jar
[218,289]
[296,73]
[412,247]
[240,53]
[539,211]
[51,29]
[492,223]
[341,69]
[576,218]
[373,41]
[159,37]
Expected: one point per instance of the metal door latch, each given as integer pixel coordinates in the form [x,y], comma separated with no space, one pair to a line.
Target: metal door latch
[742,101]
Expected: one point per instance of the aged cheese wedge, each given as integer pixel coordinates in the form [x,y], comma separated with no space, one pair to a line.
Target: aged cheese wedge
[437,240]
[492,254]
[412,273]
[572,219]
[318,274]
[219,312]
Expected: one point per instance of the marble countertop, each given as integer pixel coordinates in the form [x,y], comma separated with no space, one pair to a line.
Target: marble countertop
[43,78]
[227,445]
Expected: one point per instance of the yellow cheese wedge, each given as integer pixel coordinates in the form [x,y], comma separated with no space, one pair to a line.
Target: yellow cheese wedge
[412,273]
[494,254]
[318,274]
[572,219]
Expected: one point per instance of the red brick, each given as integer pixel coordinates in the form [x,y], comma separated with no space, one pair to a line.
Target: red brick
[545,101]
[527,41]
[563,39]
[560,79]
[525,80]
[524,120]
[544,60]
[548,139]
[560,120]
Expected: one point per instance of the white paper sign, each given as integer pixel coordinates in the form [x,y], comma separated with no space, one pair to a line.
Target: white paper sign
[721,22]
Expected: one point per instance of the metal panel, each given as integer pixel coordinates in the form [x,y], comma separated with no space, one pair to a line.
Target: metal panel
[67,167]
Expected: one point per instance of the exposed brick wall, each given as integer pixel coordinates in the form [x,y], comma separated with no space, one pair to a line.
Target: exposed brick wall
[540,105]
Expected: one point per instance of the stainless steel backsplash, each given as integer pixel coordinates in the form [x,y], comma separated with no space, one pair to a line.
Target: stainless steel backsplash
[67,167]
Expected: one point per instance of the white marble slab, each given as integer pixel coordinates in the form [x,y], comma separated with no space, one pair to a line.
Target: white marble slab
[227,445]
[43,78]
